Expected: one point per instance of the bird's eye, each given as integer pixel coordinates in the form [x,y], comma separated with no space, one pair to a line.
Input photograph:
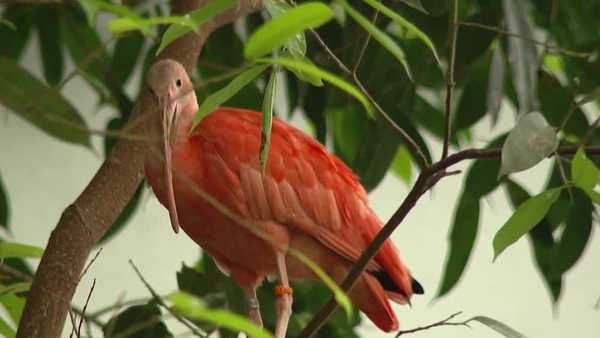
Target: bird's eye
[178,83]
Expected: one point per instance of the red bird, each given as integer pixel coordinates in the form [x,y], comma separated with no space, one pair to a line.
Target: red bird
[306,199]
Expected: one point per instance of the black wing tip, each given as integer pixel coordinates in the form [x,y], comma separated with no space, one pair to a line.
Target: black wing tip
[387,283]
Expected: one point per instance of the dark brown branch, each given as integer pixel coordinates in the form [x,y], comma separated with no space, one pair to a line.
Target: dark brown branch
[450,78]
[84,222]
[426,180]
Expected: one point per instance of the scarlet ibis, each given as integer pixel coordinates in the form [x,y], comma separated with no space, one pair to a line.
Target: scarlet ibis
[306,198]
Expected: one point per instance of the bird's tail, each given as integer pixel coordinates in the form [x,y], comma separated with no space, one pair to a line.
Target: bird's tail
[370,297]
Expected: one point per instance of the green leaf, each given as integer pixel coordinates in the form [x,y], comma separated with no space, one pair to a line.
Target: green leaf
[91,8]
[462,240]
[198,16]
[124,58]
[402,164]
[340,296]
[498,326]
[127,24]
[385,40]
[138,321]
[576,233]
[267,118]
[495,88]
[527,216]
[402,22]
[280,29]
[194,308]
[6,330]
[13,304]
[531,141]
[14,288]
[315,71]
[42,106]
[12,249]
[522,53]
[14,41]
[585,175]
[224,94]
[312,79]
[48,28]
[4,206]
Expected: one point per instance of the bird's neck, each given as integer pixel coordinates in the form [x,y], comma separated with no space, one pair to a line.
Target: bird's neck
[189,107]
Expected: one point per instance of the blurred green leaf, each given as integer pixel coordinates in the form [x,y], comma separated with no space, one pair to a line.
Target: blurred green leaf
[495,86]
[92,7]
[138,321]
[314,103]
[14,288]
[402,22]
[50,40]
[498,326]
[385,40]
[576,233]
[585,175]
[472,103]
[14,40]
[530,141]
[4,207]
[13,304]
[6,330]
[527,216]
[522,53]
[13,249]
[195,308]
[280,29]
[267,117]
[592,96]
[125,56]
[329,77]
[224,94]
[462,239]
[198,16]
[127,24]
[40,105]
[402,164]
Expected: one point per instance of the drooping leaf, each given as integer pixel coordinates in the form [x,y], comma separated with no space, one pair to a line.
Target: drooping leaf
[576,234]
[495,89]
[224,94]
[195,308]
[92,7]
[4,207]
[13,249]
[280,29]
[40,105]
[585,175]
[14,288]
[523,54]
[124,58]
[462,239]
[267,118]
[385,40]
[472,103]
[138,321]
[498,326]
[13,304]
[415,4]
[314,103]
[198,16]
[48,28]
[326,76]
[402,164]
[14,40]
[123,25]
[402,22]
[531,141]
[527,216]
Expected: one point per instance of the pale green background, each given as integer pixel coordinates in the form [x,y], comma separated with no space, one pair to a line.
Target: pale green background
[43,176]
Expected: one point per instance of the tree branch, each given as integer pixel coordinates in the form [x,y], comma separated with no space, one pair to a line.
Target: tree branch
[426,180]
[84,222]
[445,322]
[450,78]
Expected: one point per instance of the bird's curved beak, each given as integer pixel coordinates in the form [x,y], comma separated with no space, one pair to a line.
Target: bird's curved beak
[169,111]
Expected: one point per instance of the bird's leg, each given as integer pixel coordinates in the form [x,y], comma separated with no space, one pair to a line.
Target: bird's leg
[283,292]
[253,306]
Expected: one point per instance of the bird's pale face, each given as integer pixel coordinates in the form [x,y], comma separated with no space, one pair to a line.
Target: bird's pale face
[170,85]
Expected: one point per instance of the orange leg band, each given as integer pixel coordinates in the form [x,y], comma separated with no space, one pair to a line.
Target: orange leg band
[281,290]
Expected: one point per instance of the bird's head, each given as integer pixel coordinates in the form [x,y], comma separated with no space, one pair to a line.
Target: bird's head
[170,85]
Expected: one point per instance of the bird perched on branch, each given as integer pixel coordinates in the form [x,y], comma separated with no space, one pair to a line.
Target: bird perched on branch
[305,199]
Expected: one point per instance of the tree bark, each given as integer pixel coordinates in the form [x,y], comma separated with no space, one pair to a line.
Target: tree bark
[83,223]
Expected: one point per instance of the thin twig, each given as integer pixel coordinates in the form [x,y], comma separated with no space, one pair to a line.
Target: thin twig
[407,138]
[445,322]
[363,49]
[526,38]
[589,132]
[450,78]
[162,303]
[85,305]
[85,270]
[109,308]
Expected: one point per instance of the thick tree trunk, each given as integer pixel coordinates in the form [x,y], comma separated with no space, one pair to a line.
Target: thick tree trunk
[85,221]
